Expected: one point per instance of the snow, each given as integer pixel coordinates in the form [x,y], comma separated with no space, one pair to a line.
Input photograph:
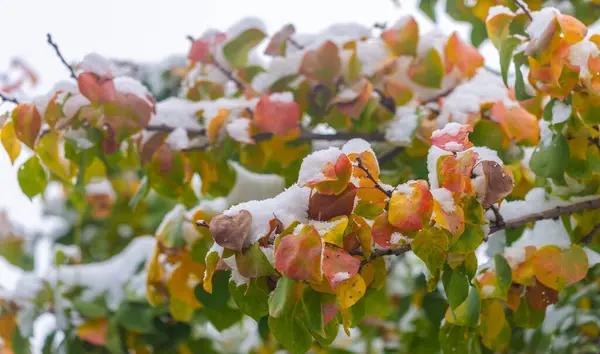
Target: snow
[176,113]
[340,277]
[541,20]
[178,139]
[435,39]
[468,97]
[128,85]
[373,54]
[97,64]
[239,130]
[546,134]
[41,102]
[515,255]
[401,129]
[497,10]
[110,276]
[279,67]
[284,97]
[79,136]
[313,164]
[444,197]
[579,54]
[244,24]
[356,146]
[100,187]
[556,316]
[74,104]
[450,129]
[433,155]
[404,188]
[289,206]
[593,256]
[487,290]
[560,112]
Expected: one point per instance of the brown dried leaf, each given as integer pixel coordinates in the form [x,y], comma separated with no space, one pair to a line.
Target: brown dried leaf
[325,207]
[231,231]
[499,182]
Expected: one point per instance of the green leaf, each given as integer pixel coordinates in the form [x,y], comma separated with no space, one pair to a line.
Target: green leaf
[283,297]
[114,343]
[32,177]
[140,194]
[503,275]
[253,263]
[252,298]
[548,109]
[236,51]
[136,317]
[467,314]
[427,71]
[520,91]
[20,344]
[473,211]
[470,239]
[367,210]
[458,339]
[90,309]
[527,316]
[478,32]
[551,160]
[312,302]
[506,53]
[223,318]
[487,133]
[456,286]
[428,8]
[220,292]
[291,331]
[430,246]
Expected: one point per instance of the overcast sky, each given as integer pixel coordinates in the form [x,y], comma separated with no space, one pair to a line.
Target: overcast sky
[149,30]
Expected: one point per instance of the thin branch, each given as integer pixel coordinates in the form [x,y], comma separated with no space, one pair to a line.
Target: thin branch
[167,129]
[306,136]
[370,176]
[436,98]
[510,224]
[8,99]
[295,44]
[390,155]
[547,214]
[60,56]
[524,7]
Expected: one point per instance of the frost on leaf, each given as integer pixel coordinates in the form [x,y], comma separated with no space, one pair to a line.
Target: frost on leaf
[298,256]
[455,173]
[453,137]
[232,231]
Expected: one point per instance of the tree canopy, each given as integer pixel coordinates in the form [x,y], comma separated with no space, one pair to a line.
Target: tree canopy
[359,190]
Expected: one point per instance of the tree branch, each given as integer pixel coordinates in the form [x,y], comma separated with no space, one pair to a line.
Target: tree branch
[510,224]
[524,7]
[370,176]
[8,99]
[390,155]
[60,56]
[167,129]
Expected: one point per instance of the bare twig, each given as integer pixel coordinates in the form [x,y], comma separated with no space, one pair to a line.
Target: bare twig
[306,136]
[547,214]
[167,129]
[524,7]
[390,155]
[60,56]
[201,223]
[511,224]
[360,165]
[240,85]
[436,98]
[499,219]
[295,43]
[8,99]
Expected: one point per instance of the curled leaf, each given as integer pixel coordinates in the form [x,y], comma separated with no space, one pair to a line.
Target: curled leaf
[231,231]
[498,183]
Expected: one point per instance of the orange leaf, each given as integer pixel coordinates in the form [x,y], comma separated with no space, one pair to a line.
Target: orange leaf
[557,268]
[462,55]
[522,273]
[411,206]
[275,116]
[446,213]
[403,40]
[517,123]
[27,123]
[453,137]
[455,174]
[401,93]
[200,50]
[94,331]
[498,28]
[335,177]
[299,256]
[356,105]
[573,30]
[382,231]
[215,124]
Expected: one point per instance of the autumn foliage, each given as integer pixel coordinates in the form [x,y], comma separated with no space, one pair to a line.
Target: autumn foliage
[377,184]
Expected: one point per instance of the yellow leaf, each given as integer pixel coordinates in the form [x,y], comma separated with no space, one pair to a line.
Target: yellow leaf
[335,235]
[7,327]
[215,124]
[12,145]
[350,291]
[153,279]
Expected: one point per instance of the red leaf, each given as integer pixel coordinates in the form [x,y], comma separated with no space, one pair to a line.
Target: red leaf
[324,207]
[338,265]
[323,65]
[276,117]
[27,122]
[278,42]
[382,231]
[454,137]
[299,256]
